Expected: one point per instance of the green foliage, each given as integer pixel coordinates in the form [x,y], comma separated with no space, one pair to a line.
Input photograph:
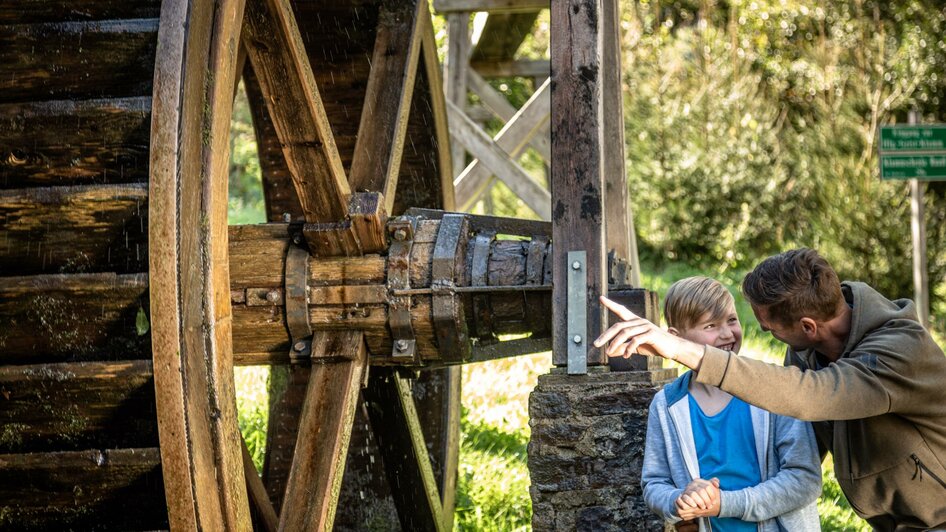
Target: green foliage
[752,128]
[493,484]
[253,409]
[246,204]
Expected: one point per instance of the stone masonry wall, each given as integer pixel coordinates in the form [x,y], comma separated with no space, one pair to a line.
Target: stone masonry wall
[587,447]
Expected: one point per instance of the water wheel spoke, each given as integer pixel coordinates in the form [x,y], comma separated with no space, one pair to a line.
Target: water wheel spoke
[339,362]
[256,491]
[381,133]
[275,48]
[395,424]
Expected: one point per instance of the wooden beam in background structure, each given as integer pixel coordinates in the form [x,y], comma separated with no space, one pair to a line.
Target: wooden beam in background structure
[512,139]
[493,6]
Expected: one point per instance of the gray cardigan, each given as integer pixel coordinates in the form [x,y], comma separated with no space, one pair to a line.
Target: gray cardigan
[787,453]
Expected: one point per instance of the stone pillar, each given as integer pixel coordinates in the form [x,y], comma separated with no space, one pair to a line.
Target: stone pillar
[587,449]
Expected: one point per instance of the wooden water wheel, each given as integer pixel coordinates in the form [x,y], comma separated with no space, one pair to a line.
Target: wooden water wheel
[126,300]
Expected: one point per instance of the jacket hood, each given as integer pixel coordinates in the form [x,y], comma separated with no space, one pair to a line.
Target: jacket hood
[677,389]
[872,310]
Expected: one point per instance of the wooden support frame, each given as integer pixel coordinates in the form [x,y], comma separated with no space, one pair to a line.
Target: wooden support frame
[274,46]
[493,6]
[513,68]
[468,134]
[512,139]
[395,424]
[381,133]
[455,82]
[578,166]
[502,109]
[339,365]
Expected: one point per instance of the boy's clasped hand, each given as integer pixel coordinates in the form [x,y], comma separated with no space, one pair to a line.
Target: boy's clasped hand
[700,499]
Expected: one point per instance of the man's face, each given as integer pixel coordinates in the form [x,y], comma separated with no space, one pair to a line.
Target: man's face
[793,334]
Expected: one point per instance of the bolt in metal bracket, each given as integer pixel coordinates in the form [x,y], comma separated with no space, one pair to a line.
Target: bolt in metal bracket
[577,309]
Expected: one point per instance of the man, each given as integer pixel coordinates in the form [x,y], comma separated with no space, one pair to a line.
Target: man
[856,362]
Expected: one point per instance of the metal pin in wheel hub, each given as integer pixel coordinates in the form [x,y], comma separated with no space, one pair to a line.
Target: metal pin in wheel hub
[299,346]
[401,345]
[400,234]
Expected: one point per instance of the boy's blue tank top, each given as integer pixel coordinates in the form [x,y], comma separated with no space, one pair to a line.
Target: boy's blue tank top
[725,448]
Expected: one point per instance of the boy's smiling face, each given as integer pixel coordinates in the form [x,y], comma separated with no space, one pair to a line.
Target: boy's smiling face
[724,332]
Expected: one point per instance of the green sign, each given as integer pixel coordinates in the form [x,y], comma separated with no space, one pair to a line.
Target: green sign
[913,152]
[919,166]
[896,139]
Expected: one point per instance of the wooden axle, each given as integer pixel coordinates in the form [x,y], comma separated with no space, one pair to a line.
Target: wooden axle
[466,281]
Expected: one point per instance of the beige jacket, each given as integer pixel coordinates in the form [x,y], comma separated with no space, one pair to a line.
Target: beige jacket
[882,404]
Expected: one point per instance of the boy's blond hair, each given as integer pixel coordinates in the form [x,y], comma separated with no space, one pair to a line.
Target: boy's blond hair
[688,300]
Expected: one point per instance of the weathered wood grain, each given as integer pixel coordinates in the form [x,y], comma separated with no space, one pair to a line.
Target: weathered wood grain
[51,318]
[278,191]
[194,82]
[383,125]
[94,59]
[324,430]
[76,406]
[404,453]
[82,490]
[495,158]
[91,228]
[287,389]
[512,138]
[66,142]
[443,196]
[577,167]
[20,12]
[457,64]
[262,506]
[274,46]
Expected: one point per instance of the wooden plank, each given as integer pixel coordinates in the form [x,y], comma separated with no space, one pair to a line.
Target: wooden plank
[275,48]
[619,221]
[403,450]
[77,405]
[19,12]
[518,68]
[278,191]
[502,109]
[493,6]
[431,72]
[262,506]
[383,126]
[287,392]
[82,490]
[502,35]
[324,431]
[49,318]
[455,80]
[67,142]
[512,139]
[89,228]
[577,168]
[484,148]
[94,59]
[194,79]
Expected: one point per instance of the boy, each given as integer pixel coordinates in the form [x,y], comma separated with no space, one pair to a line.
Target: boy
[763,469]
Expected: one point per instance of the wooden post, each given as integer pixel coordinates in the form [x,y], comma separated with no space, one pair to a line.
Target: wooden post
[619,223]
[457,63]
[578,166]
[918,230]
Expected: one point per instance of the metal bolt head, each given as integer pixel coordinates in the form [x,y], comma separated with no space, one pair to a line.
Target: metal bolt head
[272,296]
[576,265]
[299,346]
[400,234]
[297,240]
[401,345]
[286,217]
[577,339]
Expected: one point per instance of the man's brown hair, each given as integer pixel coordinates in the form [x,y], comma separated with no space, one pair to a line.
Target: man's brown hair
[794,284]
[688,300]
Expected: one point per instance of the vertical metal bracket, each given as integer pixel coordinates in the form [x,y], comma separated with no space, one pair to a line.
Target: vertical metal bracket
[297,303]
[577,309]
[404,346]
